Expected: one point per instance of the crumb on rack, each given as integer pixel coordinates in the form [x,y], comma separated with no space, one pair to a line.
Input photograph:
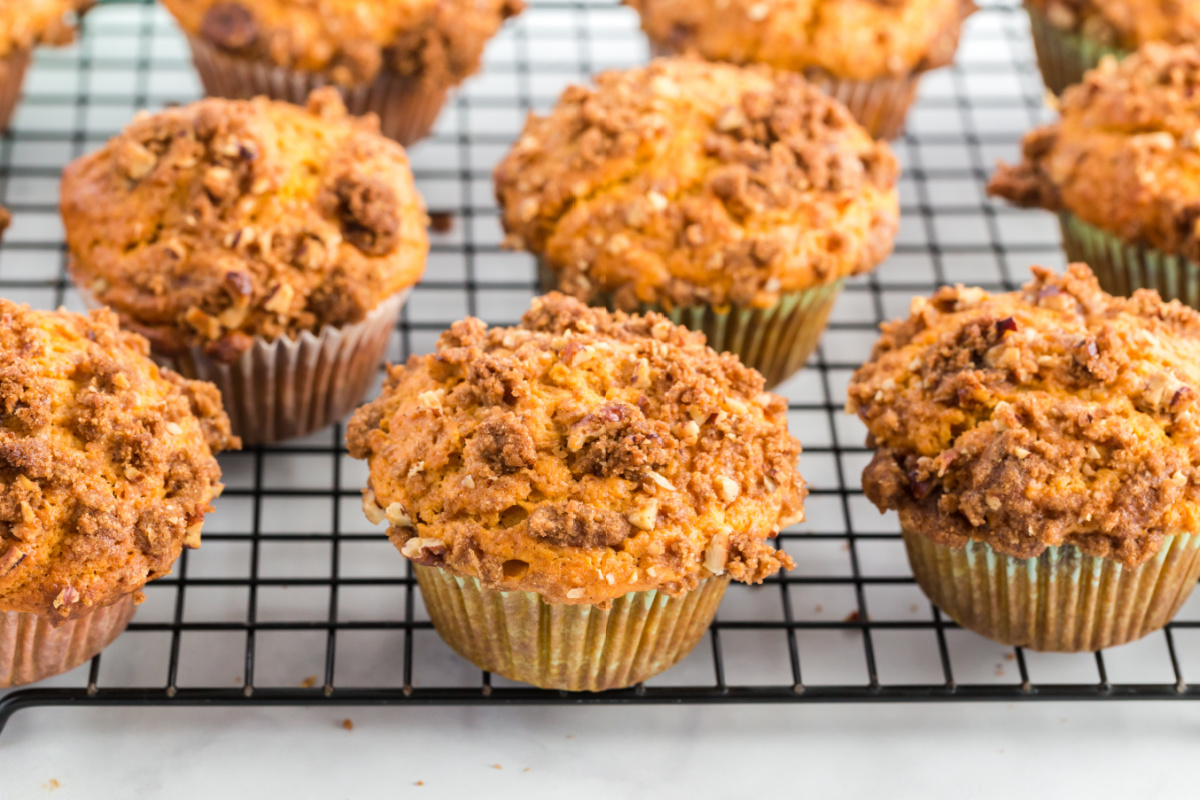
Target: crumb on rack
[308,682]
[348,724]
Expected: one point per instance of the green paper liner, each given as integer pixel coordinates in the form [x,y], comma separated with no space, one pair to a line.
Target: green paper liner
[1063,600]
[407,107]
[32,648]
[776,341]
[1123,268]
[574,648]
[12,76]
[1064,56]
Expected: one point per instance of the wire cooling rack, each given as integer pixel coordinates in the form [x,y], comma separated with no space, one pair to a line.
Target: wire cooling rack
[295,599]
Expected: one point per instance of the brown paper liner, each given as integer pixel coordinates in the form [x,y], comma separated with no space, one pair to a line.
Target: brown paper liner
[1063,600]
[575,648]
[1063,56]
[12,76]
[407,107]
[776,341]
[33,649]
[880,105]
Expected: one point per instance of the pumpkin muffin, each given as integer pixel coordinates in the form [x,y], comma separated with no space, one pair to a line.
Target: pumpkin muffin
[25,24]
[869,55]
[1121,168]
[396,58]
[1042,449]
[599,476]
[262,246]
[106,472]
[736,200]
[1072,36]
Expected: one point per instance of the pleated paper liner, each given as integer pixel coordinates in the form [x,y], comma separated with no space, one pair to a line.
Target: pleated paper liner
[1063,600]
[1123,268]
[407,107]
[1064,56]
[12,76]
[574,648]
[879,105]
[776,341]
[33,649]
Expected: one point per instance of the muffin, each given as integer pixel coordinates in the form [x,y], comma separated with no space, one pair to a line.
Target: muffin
[106,472]
[1042,451]
[734,200]
[396,58]
[1072,36]
[258,245]
[1122,170]
[869,55]
[575,493]
[25,24]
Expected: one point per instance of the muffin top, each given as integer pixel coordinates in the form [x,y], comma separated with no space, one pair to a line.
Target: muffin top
[1125,157]
[1054,415]
[439,42]
[26,23]
[224,220]
[1124,23]
[581,455]
[854,39]
[688,182]
[106,462]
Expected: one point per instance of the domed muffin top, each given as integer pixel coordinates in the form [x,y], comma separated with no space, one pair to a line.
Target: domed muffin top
[26,23]
[1054,415]
[439,42]
[687,182]
[1124,23]
[1125,156]
[106,462]
[852,39]
[581,455]
[224,220]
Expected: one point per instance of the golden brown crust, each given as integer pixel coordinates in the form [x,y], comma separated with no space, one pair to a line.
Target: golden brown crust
[1124,23]
[106,462]
[440,42]
[27,23]
[1125,157]
[851,39]
[1054,415]
[581,455]
[225,220]
[686,182]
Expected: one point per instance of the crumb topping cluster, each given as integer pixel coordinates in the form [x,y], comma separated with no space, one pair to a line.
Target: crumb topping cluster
[27,23]
[1124,23]
[581,455]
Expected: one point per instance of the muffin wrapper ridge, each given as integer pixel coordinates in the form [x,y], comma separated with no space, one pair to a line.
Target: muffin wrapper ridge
[407,108]
[33,649]
[879,105]
[1064,56]
[1123,268]
[1061,601]
[12,76]
[569,647]
[776,341]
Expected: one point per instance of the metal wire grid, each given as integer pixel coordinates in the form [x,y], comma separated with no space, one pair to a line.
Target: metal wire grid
[294,599]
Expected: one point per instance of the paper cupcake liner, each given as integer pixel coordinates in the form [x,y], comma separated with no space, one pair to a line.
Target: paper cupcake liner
[880,105]
[12,76]
[1123,268]
[776,341]
[1064,56]
[570,647]
[407,107]
[1063,600]
[33,649]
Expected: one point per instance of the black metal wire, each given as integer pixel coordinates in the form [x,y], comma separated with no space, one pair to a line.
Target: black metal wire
[465,159]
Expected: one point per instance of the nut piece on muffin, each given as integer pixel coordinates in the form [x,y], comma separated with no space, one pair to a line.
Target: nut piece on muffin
[689,184]
[1052,427]
[224,226]
[1121,168]
[583,457]
[397,58]
[106,472]
[866,53]
[25,24]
